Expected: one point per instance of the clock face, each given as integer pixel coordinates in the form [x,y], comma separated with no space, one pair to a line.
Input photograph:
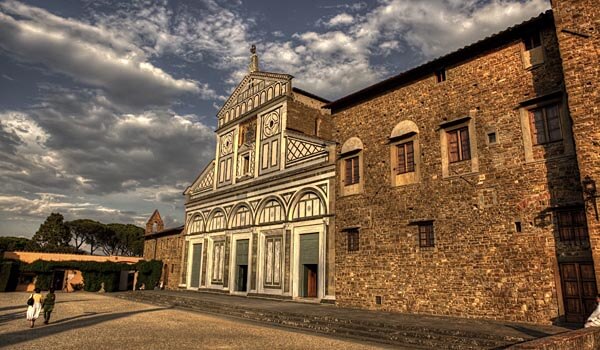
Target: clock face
[227,144]
[271,124]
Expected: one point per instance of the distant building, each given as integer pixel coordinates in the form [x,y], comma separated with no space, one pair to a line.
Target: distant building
[259,216]
[67,279]
[467,186]
[165,245]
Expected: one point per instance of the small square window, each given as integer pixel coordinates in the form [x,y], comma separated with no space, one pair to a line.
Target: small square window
[353,240]
[426,237]
[491,137]
[440,75]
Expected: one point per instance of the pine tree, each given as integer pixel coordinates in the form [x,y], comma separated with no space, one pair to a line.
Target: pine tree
[53,234]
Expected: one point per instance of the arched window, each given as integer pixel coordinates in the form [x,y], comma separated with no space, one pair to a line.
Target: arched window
[241,217]
[351,167]
[272,211]
[217,221]
[196,225]
[404,153]
[309,204]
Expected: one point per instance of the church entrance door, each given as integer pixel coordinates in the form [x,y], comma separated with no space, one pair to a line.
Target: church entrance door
[241,265]
[309,265]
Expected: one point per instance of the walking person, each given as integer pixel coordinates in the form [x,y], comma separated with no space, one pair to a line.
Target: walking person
[594,319]
[33,311]
[48,305]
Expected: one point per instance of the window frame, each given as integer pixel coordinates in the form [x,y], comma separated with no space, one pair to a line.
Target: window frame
[461,146]
[353,240]
[351,170]
[405,163]
[546,123]
[575,231]
[426,234]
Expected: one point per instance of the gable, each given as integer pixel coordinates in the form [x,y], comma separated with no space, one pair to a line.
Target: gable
[204,181]
[255,90]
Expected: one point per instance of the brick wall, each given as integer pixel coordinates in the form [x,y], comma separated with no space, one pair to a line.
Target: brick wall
[578,32]
[480,266]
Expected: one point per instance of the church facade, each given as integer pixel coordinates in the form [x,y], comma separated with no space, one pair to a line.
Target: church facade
[466,186]
[259,217]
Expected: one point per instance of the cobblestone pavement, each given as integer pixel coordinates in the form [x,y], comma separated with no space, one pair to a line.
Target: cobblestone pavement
[94,321]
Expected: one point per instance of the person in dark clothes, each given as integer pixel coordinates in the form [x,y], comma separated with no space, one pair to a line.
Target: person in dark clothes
[49,305]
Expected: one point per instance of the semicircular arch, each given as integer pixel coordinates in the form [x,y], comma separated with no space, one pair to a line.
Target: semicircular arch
[217,220]
[405,127]
[241,215]
[308,202]
[351,145]
[271,209]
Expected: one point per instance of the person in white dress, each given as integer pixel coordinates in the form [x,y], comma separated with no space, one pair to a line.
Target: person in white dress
[33,311]
[594,319]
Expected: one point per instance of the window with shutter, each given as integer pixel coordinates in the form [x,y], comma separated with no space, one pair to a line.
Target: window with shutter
[545,124]
[459,148]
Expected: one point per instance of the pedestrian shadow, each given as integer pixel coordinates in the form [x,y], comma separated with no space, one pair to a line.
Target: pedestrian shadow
[72,323]
[529,331]
[85,314]
[24,306]
[12,316]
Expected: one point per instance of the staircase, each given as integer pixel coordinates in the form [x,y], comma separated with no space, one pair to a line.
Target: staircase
[380,329]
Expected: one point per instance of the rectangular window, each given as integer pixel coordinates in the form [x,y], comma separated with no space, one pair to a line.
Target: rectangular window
[532,41]
[440,75]
[246,164]
[426,238]
[351,171]
[458,145]
[572,226]
[406,158]
[353,240]
[545,124]
[273,261]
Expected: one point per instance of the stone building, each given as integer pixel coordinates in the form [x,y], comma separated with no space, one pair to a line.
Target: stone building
[459,185]
[259,216]
[165,245]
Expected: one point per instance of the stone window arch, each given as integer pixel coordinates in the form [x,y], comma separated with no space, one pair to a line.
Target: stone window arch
[196,224]
[217,221]
[308,204]
[271,211]
[351,165]
[405,153]
[241,216]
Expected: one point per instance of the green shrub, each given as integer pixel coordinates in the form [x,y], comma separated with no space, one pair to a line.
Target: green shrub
[9,275]
[92,280]
[43,280]
[149,273]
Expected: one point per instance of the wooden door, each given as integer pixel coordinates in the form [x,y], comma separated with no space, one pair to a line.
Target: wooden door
[579,290]
[311,285]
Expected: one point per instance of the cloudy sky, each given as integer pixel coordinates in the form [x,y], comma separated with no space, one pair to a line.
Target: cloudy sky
[107,109]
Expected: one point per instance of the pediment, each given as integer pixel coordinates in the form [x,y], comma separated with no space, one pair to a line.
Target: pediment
[253,91]
[204,181]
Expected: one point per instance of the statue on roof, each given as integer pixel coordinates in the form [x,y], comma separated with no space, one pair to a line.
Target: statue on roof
[253,67]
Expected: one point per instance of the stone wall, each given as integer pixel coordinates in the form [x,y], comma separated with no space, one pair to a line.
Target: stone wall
[582,339]
[578,32]
[167,249]
[480,266]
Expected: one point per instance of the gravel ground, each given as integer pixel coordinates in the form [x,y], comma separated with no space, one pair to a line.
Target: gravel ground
[95,321]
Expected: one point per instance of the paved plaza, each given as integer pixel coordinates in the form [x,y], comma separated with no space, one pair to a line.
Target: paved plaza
[96,321]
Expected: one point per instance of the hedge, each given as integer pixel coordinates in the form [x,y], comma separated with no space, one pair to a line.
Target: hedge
[9,275]
[94,273]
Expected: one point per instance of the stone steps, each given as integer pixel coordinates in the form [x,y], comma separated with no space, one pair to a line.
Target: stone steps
[380,331]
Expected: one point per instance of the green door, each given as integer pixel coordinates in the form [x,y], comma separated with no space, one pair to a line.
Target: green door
[196,259]
[309,264]
[241,264]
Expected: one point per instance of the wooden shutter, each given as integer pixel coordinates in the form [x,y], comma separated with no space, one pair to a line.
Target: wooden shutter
[348,171]
[453,146]
[465,147]
[553,122]
[356,170]
[538,134]
[401,169]
[410,157]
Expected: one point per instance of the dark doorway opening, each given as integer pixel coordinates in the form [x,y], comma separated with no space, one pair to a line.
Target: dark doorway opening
[242,278]
[311,278]
[241,262]
[58,279]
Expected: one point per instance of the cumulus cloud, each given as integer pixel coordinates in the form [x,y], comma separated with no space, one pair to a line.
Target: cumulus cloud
[341,19]
[94,55]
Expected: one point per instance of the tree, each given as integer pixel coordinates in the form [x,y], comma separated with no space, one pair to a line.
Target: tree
[13,243]
[86,231]
[53,235]
[108,241]
[130,239]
